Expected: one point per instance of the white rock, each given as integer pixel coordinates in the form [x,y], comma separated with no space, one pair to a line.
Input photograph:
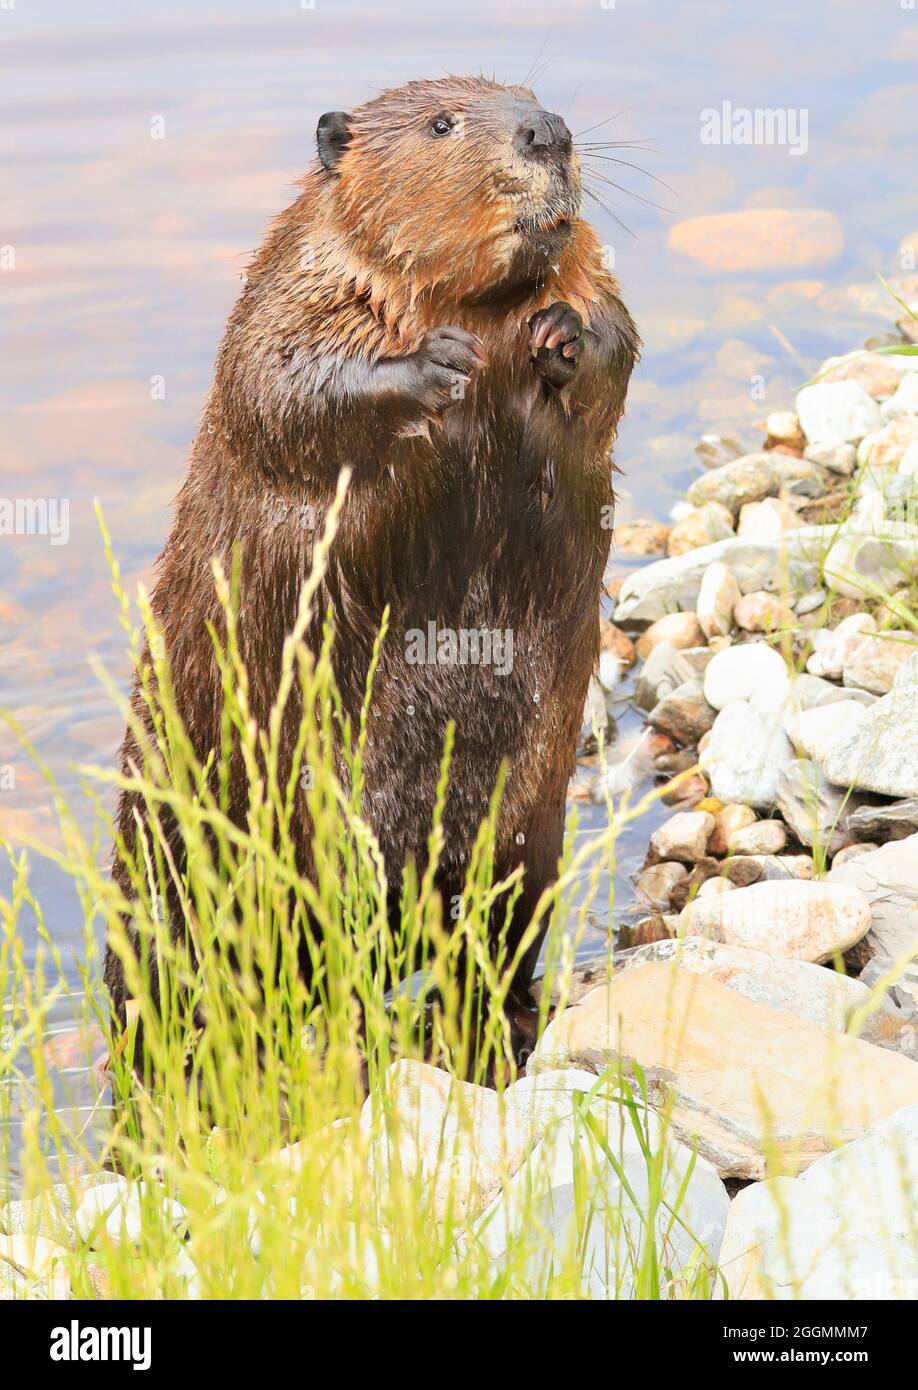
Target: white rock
[838,458]
[767,520]
[839,412]
[116,1210]
[804,921]
[765,837]
[874,663]
[814,732]
[570,1203]
[683,837]
[745,755]
[831,657]
[844,1230]
[741,672]
[655,884]
[717,598]
[904,401]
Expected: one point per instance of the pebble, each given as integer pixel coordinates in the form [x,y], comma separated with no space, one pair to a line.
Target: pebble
[717,599]
[727,822]
[685,714]
[884,449]
[744,671]
[905,399]
[875,662]
[642,537]
[683,837]
[880,824]
[805,921]
[838,458]
[813,732]
[831,657]
[764,837]
[784,427]
[750,479]
[702,526]
[762,612]
[839,412]
[767,520]
[679,630]
[878,375]
[655,884]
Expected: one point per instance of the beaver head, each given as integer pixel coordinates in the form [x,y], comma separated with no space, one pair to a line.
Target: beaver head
[458,180]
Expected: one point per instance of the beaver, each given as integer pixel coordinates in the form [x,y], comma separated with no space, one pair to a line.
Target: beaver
[433,313]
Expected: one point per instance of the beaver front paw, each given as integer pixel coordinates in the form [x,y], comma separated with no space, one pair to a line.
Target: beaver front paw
[556,342]
[443,365]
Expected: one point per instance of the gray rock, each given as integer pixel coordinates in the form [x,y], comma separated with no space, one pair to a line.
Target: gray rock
[838,458]
[684,837]
[904,992]
[860,564]
[813,809]
[745,755]
[894,821]
[750,479]
[876,661]
[881,755]
[810,692]
[663,671]
[685,714]
[888,877]
[655,884]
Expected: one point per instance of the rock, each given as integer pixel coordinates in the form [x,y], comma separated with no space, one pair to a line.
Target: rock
[749,479]
[114,1210]
[784,427]
[617,643]
[813,732]
[642,537]
[584,1198]
[678,630]
[811,992]
[778,868]
[905,399]
[451,1139]
[703,526]
[875,372]
[767,520]
[804,921]
[746,752]
[717,598]
[757,239]
[875,662]
[851,851]
[903,989]
[739,673]
[837,412]
[762,612]
[665,585]
[895,821]
[38,1258]
[685,714]
[756,1086]
[838,458]
[683,837]
[595,717]
[860,564]
[844,1230]
[727,822]
[765,837]
[884,449]
[812,808]
[656,883]
[714,449]
[888,878]
[831,658]
[881,754]
[663,672]
[713,887]
[811,692]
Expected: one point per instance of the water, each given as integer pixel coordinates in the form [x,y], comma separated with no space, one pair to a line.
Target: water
[128,251]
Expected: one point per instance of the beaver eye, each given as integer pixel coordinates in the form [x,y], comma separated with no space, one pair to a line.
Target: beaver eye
[441,125]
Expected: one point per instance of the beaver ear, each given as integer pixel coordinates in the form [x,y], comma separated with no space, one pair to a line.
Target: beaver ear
[333,135]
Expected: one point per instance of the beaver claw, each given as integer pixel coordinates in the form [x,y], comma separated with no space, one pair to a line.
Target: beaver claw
[556,343]
[443,365]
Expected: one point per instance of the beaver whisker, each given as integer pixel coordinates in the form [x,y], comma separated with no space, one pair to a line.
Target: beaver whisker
[628,165]
[629,192]
[590,128]
[608,211]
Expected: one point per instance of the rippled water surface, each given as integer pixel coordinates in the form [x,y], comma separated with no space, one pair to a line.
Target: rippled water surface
[128,251]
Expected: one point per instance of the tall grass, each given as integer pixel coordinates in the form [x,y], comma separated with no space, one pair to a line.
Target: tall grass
[247,1104]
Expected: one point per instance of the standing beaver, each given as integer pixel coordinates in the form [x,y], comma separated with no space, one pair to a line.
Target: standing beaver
[432,312]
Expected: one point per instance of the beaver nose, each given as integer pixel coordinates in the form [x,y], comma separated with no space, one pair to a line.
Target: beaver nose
[542,133]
